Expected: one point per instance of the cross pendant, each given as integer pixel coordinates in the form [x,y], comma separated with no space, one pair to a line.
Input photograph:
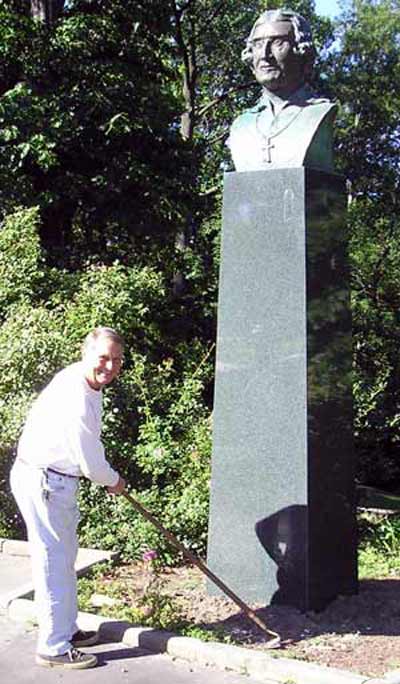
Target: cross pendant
[266,151]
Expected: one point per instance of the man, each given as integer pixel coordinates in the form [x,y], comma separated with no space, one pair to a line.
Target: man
[289,126]
[60,443]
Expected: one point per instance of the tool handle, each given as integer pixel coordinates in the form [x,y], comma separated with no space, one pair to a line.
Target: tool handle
[196,561]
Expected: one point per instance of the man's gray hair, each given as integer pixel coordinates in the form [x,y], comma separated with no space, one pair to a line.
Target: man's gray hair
[302,34]
[101,331]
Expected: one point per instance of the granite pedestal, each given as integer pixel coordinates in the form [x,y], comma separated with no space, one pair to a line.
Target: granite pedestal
[282,519]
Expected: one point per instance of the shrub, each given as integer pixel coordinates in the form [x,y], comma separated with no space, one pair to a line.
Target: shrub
[156,423]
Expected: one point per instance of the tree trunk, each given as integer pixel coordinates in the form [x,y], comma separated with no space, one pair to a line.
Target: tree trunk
[46,10]
[186,44]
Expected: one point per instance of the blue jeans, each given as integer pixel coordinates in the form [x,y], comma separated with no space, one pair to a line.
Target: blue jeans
[48,504]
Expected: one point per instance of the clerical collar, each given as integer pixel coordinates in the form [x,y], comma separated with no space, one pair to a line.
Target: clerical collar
[268,99]
[274,101]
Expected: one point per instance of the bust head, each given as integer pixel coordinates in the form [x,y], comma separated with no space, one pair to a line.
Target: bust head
[280,51]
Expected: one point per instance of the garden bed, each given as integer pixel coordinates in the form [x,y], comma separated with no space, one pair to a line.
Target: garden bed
[358,633]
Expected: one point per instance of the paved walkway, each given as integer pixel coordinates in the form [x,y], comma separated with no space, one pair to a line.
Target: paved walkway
[137,654]
[15,568]
[15,572]
[118,664]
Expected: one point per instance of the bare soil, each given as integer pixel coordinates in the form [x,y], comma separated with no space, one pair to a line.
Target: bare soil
[358,633]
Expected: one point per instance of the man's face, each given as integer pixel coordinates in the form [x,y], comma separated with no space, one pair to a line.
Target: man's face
[275,64]
[102,362]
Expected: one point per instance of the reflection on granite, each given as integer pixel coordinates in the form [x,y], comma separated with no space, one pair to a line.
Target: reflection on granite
[282,523]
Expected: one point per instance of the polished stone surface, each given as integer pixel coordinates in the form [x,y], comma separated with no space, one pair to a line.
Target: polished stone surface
[282,521]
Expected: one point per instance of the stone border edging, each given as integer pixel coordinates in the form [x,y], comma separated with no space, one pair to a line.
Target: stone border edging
[262,667]
[14,547]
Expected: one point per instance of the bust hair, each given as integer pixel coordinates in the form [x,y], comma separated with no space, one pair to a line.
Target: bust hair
[101,331]
[302,34]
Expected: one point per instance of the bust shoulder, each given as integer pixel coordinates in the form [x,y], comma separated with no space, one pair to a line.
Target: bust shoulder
[298,133]
[245,118]
[304,97]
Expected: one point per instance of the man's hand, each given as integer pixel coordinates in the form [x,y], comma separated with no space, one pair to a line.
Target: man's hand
[118,488]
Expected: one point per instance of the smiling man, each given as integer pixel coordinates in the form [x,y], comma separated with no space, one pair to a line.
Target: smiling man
[290,125]
[59,444]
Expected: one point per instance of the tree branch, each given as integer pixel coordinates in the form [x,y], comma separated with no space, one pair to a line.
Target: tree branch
[223,97]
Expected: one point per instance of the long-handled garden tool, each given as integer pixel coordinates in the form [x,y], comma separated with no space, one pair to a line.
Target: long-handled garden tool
[275,639]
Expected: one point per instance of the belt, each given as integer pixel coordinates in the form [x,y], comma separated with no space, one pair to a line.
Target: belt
[51,470]
[58,472]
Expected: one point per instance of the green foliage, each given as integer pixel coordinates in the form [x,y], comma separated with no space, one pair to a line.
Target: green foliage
[156,427]
[20,259]
[86,136]
[113,123]
[375,303]
[165,452]
[212,634]
[379,545]
[363,72]
[151,606]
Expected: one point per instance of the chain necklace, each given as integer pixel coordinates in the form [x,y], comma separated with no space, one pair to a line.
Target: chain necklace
[267,145]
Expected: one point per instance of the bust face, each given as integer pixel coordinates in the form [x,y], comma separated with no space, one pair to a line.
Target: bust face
[275,64]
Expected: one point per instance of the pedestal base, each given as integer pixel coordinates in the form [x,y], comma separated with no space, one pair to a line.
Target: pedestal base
[282,520]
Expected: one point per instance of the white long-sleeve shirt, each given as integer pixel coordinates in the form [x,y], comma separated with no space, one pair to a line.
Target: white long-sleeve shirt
[63,428]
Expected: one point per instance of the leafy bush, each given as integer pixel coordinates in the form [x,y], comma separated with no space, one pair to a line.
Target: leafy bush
[156,423]
[21,261]
[164,450]
[375,255]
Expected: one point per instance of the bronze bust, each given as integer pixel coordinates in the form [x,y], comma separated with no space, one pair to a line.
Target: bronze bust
[290,125]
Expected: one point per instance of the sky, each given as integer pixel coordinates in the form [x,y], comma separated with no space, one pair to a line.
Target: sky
[327,8]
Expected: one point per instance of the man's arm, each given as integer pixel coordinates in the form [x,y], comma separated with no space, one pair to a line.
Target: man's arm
[86,447]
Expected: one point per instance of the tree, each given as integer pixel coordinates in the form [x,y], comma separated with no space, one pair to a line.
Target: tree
[90,139]
[46,10]
[364,74]
[114,121]
[114,117]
